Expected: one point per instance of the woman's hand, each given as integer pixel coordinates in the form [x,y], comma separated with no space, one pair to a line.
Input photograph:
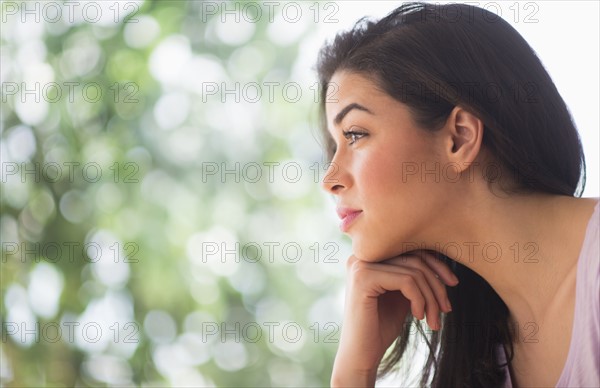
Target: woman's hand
[378,298]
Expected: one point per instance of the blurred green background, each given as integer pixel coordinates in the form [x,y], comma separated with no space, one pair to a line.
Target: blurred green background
[161,218]
[162,222]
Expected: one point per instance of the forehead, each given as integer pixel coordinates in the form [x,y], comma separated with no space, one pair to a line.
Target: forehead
[347,88]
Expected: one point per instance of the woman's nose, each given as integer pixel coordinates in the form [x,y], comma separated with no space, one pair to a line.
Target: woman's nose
[335,180]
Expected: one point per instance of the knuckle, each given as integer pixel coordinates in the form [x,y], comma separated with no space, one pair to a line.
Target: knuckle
[351,260]
[417,275]
[420,276]
[348,265]
[415,261]
[358,272]
[359,266]
[410,281]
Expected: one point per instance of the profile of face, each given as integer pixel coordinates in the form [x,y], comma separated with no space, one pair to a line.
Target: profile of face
[387,173]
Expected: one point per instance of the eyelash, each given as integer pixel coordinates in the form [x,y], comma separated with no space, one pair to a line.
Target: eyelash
[352,134]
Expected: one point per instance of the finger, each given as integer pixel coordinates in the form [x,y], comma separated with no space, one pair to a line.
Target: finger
[374,279]
[416,277]
[441,269]
[431,288]
[439,290]
[351,260]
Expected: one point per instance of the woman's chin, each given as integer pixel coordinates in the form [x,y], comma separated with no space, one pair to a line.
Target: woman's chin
[373,250]
[368,252]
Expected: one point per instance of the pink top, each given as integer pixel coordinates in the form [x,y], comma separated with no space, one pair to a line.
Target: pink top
[582,368]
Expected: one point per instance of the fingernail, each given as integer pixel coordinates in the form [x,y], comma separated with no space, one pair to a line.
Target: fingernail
[448,305]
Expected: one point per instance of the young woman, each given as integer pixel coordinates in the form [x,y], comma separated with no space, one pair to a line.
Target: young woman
[457,171]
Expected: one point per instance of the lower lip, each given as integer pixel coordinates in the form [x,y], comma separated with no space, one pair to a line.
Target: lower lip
[347,221]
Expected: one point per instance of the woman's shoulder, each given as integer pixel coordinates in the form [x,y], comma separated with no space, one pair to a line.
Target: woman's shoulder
[583,363]
[589,256]
[579,223]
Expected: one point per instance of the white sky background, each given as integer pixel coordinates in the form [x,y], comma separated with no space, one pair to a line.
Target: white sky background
[565,37]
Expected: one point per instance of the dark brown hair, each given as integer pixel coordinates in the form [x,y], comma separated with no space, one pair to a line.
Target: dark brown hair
[432,58]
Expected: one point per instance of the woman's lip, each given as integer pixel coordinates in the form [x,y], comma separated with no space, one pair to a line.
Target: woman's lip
[348,218]
[342,212]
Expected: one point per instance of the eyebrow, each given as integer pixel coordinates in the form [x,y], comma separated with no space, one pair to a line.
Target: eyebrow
[340,116]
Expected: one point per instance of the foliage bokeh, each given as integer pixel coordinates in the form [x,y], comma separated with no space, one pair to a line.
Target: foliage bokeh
[184,250]
[112,210]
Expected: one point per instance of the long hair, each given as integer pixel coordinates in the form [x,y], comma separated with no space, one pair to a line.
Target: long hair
[432,58]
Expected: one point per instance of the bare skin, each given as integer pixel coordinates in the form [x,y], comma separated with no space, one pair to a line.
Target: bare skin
[379,296]
[525,245]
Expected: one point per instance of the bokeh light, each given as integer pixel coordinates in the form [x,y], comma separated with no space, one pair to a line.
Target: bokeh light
[161,218]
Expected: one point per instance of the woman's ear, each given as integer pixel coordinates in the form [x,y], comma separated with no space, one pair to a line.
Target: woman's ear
[464,133]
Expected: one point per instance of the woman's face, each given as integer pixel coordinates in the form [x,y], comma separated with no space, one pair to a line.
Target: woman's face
[384,168]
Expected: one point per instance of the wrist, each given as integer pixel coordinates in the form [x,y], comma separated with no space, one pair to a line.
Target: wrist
[349,377]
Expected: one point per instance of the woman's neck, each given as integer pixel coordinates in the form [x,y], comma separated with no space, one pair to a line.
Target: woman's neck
[523,245]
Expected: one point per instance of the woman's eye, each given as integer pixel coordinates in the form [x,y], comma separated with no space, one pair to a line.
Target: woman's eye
[353,136]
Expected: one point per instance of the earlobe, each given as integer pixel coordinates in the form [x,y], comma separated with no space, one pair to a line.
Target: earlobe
[466,132]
